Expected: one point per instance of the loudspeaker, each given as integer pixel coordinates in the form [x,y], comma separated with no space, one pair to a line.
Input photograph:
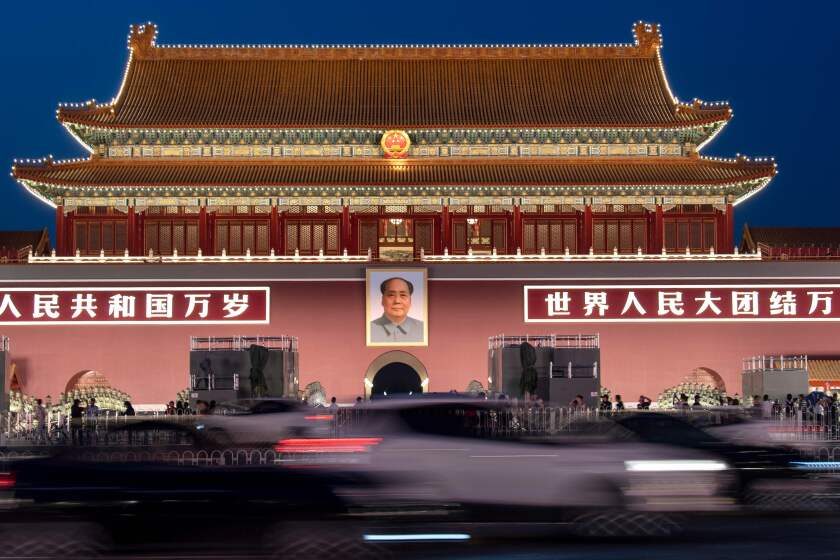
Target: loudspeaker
[227,374]
[5,374]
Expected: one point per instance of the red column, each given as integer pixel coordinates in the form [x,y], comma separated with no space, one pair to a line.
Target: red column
[70,230]
[211,233]
[345,229]
[139,246]
[131,231]
[517,228]
[659,230]
[447,229]
[60,242]
[730,228]
[720,232]
[587,228]
[281,220]
[202,230]
[438,241]
[274,230]
[650,225]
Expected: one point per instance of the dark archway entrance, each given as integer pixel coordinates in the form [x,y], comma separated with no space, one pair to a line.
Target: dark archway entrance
[396,378]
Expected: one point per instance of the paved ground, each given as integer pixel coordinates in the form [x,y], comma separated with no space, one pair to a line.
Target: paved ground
[741,538]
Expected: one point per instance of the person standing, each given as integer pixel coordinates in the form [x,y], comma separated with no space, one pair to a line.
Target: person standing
[41,417]
[605,405]
[789,405]
[619,404]
[766,407]
[92,411]
[333,405]
[129,410]
[76,422]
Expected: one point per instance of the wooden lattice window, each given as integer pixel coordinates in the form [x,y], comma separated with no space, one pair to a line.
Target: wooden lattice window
[423,236]
[696,234]
[553,235]
[478,234]
[368,237]
[91,237]
[625,235]
[165,237]
[310,237]
[239,236]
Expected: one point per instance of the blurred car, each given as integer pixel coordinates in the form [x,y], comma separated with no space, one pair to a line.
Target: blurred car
[437,453]
[766,476]
[261,422]
[80,504]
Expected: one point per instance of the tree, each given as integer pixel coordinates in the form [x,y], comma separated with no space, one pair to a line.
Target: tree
[528,378]
[259,358]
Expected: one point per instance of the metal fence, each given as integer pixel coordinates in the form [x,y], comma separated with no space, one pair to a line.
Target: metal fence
[508,421]
[182,457]
[22,428]
[805,427]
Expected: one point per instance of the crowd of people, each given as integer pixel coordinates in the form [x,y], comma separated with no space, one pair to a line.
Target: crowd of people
[818,407]
[607,405]
[182,408]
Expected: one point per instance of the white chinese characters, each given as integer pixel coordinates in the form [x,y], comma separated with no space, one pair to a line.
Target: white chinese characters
[113,305]
[621,302]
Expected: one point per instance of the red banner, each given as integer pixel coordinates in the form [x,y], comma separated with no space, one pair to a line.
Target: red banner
[118,305]
[653,303]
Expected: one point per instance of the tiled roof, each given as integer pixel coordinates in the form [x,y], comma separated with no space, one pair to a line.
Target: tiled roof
[417,172]
[14,242]
[17,239]
[793,236]
[395,87]
[823,370]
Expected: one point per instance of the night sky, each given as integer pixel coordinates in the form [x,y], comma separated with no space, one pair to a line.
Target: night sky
[776,63]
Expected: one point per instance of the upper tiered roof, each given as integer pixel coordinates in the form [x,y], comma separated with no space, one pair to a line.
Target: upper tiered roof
[535,86]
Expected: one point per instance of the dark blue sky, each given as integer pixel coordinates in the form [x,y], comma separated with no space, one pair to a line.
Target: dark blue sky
[776,63]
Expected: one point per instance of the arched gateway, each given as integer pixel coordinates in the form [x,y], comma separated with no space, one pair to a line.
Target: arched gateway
[395,372]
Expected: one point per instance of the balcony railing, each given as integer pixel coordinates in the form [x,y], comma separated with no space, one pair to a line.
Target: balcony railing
[615,256]
[175,258]
[446,257]
[546,341]
[282,342]
[775,363]
[213,382]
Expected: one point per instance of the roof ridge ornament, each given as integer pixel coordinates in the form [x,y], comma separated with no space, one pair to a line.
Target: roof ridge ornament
[142,42]
[648,37]
[141,38]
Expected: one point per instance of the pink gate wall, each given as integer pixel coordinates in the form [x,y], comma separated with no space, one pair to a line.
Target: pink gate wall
[151,362]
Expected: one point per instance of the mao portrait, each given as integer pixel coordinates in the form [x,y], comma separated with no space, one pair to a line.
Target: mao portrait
[396,307]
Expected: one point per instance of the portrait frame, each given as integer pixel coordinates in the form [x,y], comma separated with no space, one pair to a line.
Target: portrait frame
[419,302]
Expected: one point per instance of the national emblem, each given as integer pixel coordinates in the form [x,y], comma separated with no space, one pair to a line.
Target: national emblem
[395,144]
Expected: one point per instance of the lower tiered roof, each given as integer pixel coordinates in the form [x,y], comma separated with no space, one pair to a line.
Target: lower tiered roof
[455,176]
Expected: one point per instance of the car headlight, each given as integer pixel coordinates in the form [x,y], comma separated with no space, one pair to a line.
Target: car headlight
[674,466]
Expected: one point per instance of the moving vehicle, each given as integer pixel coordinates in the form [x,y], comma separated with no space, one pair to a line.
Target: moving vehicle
[765,476]
[438,453]
[78,504]
[261,422]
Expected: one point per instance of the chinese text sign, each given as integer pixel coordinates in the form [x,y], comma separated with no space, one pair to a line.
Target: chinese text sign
[651,303]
